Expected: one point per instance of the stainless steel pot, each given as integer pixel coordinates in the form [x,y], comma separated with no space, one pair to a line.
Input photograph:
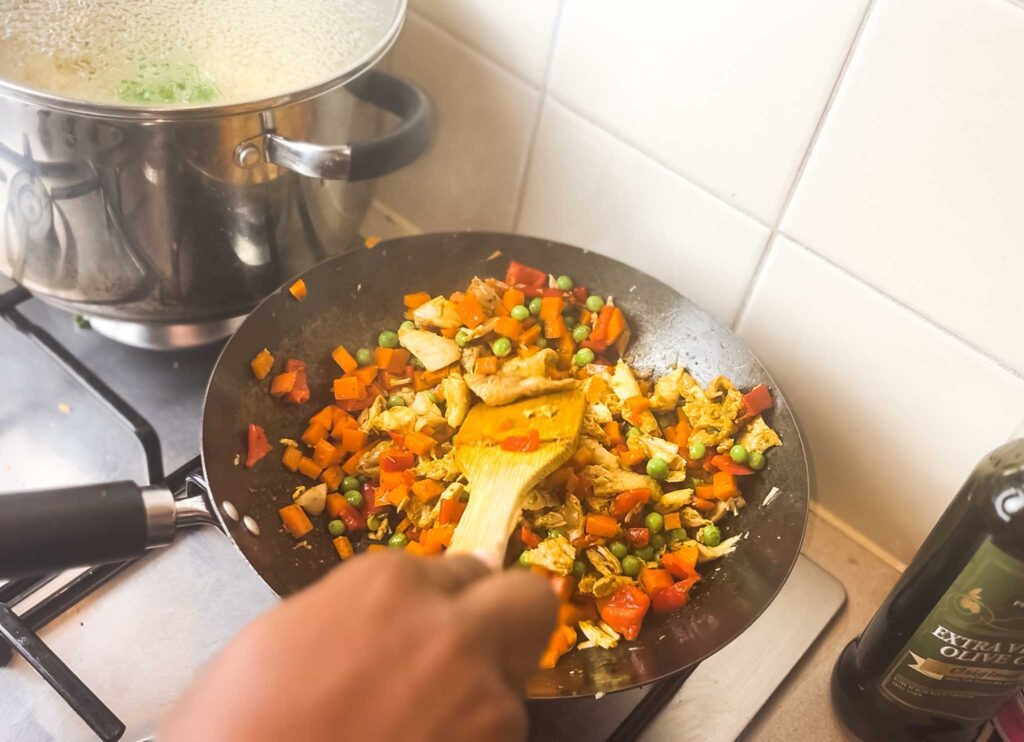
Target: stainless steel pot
[165,226]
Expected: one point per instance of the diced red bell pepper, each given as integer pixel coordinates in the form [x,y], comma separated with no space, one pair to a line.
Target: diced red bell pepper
[672,598]
[682,563]
[598,346]
[258,446]
[354,520]
[451,511]
[624,611]
[300,390]
[396,459]
[370,505]
[724,462]
[580,294]
[638,537]
[626,501]
[757,400]
[518,273]
[528,537]
[522,443]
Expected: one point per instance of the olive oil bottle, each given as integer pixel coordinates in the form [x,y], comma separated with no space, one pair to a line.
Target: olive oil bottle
[946,648]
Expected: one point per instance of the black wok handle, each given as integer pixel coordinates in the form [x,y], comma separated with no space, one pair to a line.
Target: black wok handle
[357,160]
[49,530]
[60,677]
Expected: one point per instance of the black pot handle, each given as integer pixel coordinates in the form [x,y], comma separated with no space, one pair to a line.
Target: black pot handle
[356,160]
[45,531]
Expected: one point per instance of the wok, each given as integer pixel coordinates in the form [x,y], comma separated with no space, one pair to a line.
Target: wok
[351,298]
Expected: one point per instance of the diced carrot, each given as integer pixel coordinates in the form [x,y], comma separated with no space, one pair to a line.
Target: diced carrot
[397,495]
[613,431]
[582,457]
[419,443]
[654,580]
[314,434]
[325,416]
[672,520]
[437,536]
[415,548]
[348,388]
[683,429]
[554,328]
[391,479]
[508,327]
[351,440]
[418,299]
[309,468]
[702,505]
[366,374]
[295,520]
[344,359]
[343,546]
[281,384]
[291,457]
[449,332]
[377,547]
[638,405]
[382,357]
[530,336]
[299,393]
[487,365]
[427,490]
[399,357]
[600,332]
[332,476]
[470,311]
[513,297]
[551,308]
[601,525]
[725,485]
[562,640]
[335,504]
[705,491]
[327,455]
[616,325]
[631,457]
[451,511]
[682,562]
[350,465]
[261,364]
[596,388]
[563,586]
[298,290]
[669,433]
[566,348]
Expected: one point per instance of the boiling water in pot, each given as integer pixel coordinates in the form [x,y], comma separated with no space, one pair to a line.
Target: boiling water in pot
[182,52]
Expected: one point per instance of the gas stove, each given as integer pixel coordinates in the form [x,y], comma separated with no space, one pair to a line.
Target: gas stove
[79,407]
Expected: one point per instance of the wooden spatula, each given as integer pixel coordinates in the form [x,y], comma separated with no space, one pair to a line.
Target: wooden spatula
[499,478]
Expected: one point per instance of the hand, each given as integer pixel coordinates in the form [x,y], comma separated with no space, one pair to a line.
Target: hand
[386,646]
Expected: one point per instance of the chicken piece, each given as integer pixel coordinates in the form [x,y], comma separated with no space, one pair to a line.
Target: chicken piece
[539,499]
[674,500]
[663,449]
[758,436]
[609,481]
[666,391]
[376,407]
[369,464]
[434,351]
[312,500]
[624,385]
[484,294]
[418,513]
[601,455]
[456,398]
[554,554]
[601,586]
[604,561]
[443,469]
[518,378]
[393,420]
[600,505]
[438,312]
[598,635]
[480,330]
[427,412]
[455,489]
[470,354]
[710,553]
[691,518]
[592,429]
[713,412]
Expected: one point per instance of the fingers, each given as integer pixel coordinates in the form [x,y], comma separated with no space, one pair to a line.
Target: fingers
[513,614]
[452,574]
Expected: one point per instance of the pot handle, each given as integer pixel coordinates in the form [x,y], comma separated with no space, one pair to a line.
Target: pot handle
[360,160]
[49,530]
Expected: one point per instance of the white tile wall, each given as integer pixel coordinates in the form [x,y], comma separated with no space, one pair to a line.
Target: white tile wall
[880,157]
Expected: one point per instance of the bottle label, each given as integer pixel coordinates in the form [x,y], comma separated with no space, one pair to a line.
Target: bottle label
[967,657]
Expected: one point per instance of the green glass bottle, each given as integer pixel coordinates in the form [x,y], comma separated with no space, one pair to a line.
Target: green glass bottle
[946,648]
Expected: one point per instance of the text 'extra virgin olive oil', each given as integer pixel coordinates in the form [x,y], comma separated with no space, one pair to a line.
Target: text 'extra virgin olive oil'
[946,648]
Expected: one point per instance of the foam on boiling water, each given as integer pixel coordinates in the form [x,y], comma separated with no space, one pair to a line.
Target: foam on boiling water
[182,51]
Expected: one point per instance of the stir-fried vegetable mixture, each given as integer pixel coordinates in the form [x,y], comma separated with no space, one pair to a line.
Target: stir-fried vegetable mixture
[621,529]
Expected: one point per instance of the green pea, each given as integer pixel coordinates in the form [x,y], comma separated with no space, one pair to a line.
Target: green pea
[417,364]
[631,566]
[542,342]
[398,541]
[564,283]
[396,400]
[336,528]
[556,532]
[579,568]
[676,535]
[697,451]
[534,306]
[709,535]
[583,357]
[519,312]
[594,303]
[355,498]
[407,325]
[569,321]
[364,357]
[501,347]
[655,522]
[646,554]
[657,541]
[738,453]
[373,522]
[657,469]
[388,339]
[618,548]
[462,337]
[349,483]
[755,460]
[524,560]
[580,333]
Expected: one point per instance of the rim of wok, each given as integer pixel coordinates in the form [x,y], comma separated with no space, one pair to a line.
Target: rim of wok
[353,296]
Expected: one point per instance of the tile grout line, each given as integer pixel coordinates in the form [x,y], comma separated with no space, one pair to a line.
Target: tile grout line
[858,537]
[798,176]
[531,143]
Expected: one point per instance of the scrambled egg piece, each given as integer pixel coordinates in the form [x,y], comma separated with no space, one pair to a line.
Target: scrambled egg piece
[712,413]
[598,635]
[758,436]
[609,481]
[554,554]
[456,398]
[434,351]
[624,385]
[438,312]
